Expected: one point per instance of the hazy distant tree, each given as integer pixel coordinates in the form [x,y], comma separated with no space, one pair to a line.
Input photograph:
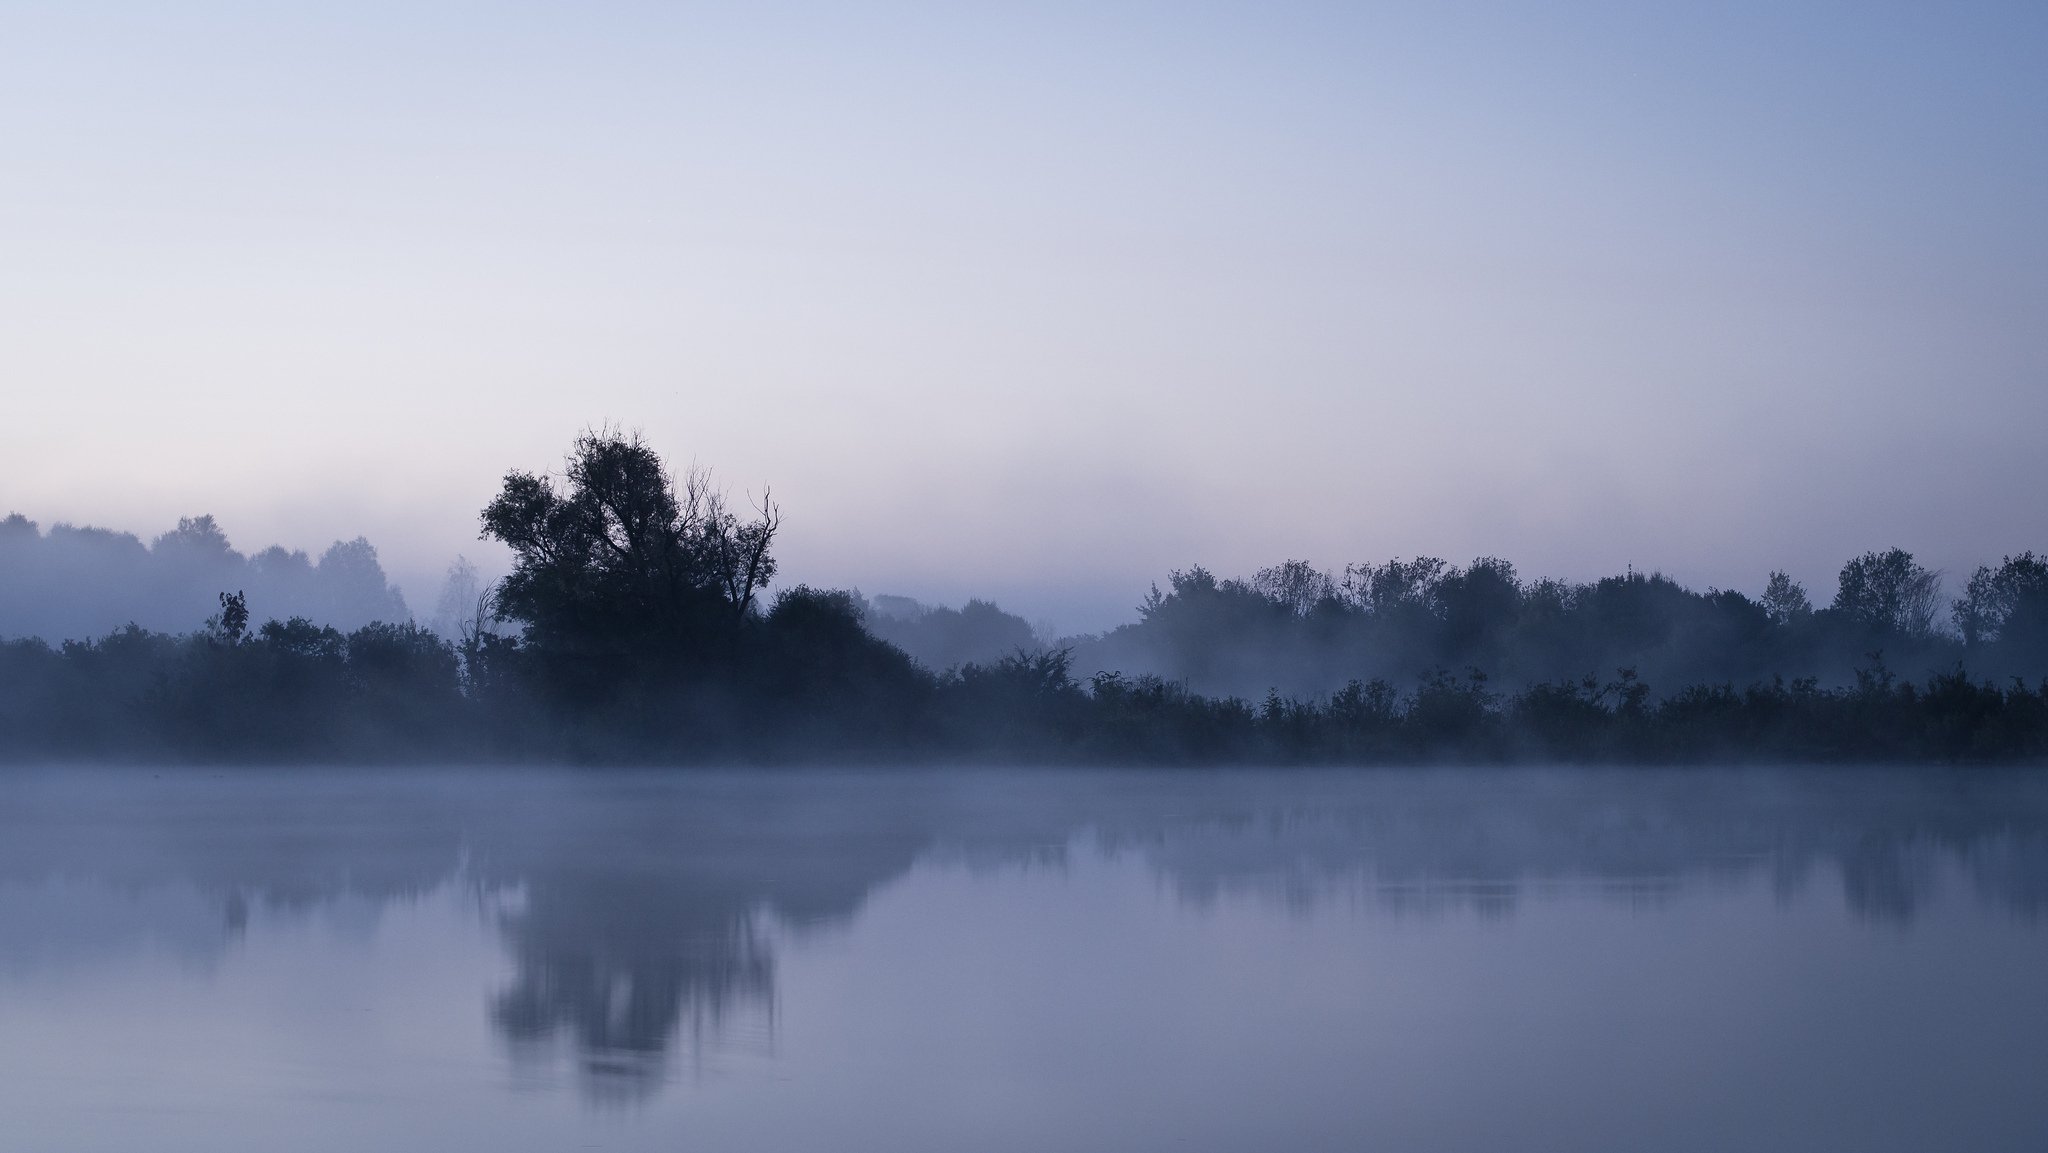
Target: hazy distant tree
[87,580]
[282,565]
[283,583]
[1889,592]
[1204,629]
[196,556]
[352,586]
[891,607]
[991,627]
[102,545]
[18,529]
[942,638]
[197,538]
[1784,600]
[23,578]
[1396,585]
[75,582]
[461,590]
[1296,585]
[188,566]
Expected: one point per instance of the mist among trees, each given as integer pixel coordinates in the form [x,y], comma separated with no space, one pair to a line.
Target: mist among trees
[1304,633]
[942,638]
[637,624]
[69,582]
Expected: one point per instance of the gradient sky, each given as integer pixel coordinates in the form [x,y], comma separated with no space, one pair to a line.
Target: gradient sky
[1040,303]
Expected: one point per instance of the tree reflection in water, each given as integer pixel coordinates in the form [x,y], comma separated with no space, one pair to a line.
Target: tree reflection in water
[626,969]
[649,903]
[646,901]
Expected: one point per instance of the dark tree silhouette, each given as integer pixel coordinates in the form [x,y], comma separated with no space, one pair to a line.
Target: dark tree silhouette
[617,571]
[2009,602]
[1889,592]
[233,622]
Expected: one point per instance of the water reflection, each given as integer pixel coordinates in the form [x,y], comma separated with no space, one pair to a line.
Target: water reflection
[646,903]
[648,906]
[1431,840]
[625,968]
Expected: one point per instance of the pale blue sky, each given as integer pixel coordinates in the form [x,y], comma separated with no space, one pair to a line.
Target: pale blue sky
[1042,302]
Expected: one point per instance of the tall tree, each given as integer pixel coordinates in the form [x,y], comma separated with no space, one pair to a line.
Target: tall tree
[614,559]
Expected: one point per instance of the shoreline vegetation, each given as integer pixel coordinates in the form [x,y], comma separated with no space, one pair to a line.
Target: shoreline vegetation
[636,627]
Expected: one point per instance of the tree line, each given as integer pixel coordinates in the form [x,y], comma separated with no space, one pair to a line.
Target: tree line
[74,581]
[1308,633]
[635,625]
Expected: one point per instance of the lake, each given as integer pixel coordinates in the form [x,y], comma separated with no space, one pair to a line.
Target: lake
[1429,959]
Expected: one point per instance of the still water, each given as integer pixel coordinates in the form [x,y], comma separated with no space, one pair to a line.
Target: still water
[1426,960]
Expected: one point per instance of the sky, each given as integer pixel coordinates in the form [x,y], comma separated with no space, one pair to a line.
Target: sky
[1040,302]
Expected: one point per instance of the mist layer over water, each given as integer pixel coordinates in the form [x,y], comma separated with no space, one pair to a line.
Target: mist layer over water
[1010,960]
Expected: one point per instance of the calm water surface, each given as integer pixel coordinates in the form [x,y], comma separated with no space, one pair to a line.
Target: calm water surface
[1428,960]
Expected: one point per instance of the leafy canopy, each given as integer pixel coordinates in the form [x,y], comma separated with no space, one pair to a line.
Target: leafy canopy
[614,556]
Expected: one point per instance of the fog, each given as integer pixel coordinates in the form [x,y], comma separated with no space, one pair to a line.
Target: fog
[1281,575]
[941,638]
[75,583]
[1305,633]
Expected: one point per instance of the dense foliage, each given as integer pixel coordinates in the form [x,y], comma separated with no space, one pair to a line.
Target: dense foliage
[630,629]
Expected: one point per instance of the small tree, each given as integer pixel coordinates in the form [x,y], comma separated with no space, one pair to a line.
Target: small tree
[1295,585]
[1784,600]
[232,625]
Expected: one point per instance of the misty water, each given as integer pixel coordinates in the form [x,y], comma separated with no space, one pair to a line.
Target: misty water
[1432,959]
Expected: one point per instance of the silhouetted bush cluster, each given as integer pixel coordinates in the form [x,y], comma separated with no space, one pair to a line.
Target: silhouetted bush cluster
[640,637]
